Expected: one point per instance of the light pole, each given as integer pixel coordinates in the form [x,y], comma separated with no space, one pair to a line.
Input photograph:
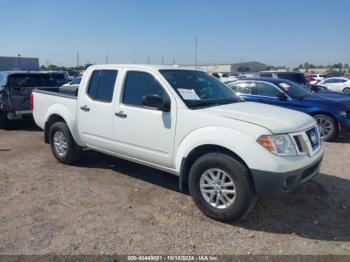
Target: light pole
[77,59]
[196,52]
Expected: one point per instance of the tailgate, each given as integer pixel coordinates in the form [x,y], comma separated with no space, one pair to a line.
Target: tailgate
[21,85]
[19,97]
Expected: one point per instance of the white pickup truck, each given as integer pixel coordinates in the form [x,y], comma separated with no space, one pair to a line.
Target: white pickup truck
[225,150]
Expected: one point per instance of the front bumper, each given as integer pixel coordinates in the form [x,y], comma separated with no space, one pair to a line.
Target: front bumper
[278,184]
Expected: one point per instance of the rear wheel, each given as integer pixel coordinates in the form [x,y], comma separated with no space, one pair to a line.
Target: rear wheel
[62,144]
[326,125]
[221,188]
[3,121]
[346,90]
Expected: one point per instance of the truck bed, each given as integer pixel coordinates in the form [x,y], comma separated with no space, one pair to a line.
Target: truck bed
[48,101]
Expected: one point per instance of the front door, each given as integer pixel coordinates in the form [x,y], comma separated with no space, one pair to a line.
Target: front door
[141,132]
[96,110]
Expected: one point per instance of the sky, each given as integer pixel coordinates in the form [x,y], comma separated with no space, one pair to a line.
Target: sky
[284,32]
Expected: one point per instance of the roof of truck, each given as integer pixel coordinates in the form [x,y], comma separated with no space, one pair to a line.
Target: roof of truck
[139,66]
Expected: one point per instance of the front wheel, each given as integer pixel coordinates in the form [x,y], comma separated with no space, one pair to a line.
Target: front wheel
[346,90]
[221,187]
[326,125]
[62,144]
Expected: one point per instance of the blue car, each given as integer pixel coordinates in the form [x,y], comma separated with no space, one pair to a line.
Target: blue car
[331,111]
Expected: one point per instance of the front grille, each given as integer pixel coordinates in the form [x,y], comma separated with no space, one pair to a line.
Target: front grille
[297,141]
[314,138]
[302,146]
[307,142]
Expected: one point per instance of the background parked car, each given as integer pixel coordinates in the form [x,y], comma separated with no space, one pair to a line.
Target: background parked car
[338,84]
[310,79]
[331,112]
[15,90]
[74,83]
[318,77]
[295,77]
[72,86]
[59,77]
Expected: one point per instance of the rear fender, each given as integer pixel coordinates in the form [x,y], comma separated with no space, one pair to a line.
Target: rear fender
[69,118]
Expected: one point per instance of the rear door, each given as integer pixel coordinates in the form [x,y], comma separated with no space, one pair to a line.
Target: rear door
[339,84]
[96,109]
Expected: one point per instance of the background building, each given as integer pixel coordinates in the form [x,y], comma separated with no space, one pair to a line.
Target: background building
[18,63]
[236,67]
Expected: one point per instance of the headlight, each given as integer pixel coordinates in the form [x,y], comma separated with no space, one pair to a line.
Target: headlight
[280,145]
[342,113]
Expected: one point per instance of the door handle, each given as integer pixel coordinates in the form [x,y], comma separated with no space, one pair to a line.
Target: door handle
[121,114]
[85,108]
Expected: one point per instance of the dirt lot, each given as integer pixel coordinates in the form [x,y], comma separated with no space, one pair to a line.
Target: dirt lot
[105,205]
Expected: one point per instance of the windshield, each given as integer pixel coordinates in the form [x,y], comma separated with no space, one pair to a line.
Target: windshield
[294,90]
[197,89]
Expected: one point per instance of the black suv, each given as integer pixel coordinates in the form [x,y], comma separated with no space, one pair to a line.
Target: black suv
[295,77]
[15,90]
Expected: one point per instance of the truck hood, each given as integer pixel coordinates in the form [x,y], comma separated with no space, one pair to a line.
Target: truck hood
[276,119]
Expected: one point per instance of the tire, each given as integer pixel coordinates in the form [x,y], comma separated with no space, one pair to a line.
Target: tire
[242,202]
[346,90]
[4,122]
[326,125]
[66,150]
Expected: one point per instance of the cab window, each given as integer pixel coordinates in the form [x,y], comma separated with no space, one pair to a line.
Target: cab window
[138,85]
[101,85]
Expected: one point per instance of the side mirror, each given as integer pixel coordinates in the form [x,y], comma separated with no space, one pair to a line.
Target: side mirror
[157,102]
[282,96]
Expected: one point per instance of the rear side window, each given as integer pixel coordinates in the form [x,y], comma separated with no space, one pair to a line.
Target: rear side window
[102,84]
[339,81]
[328,81]
[264,89]
[140,84]
[243,88]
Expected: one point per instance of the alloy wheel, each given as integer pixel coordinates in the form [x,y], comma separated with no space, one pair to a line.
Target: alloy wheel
[325,126]
[217,188]
[60,143]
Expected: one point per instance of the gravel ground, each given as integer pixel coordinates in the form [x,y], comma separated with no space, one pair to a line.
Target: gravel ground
[105,205]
